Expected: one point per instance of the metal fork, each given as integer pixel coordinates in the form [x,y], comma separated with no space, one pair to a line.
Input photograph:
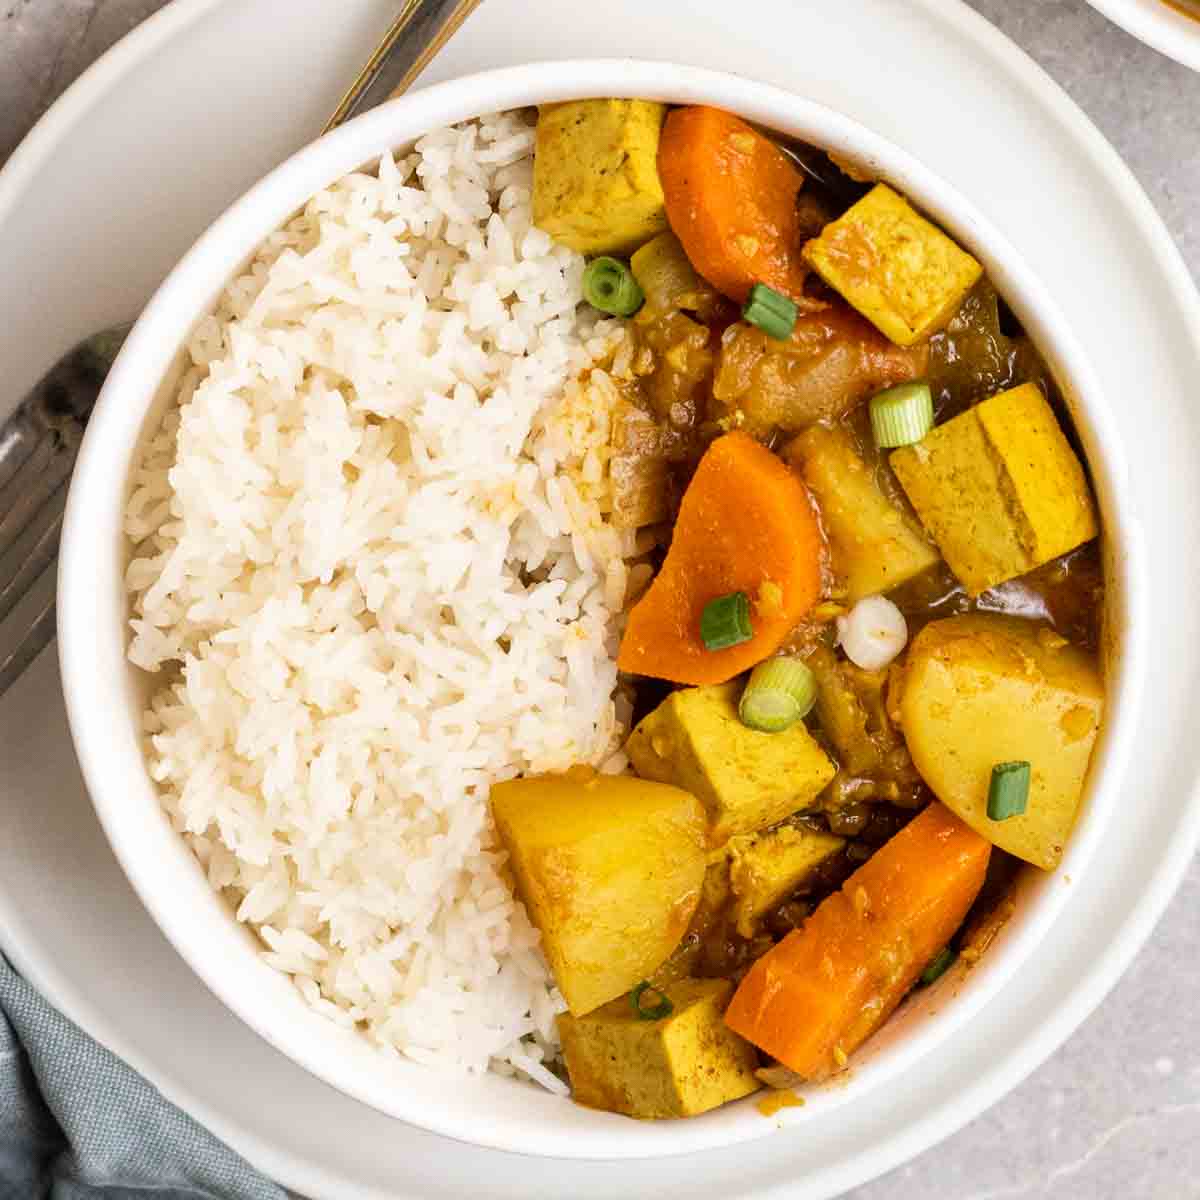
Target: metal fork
[39,442]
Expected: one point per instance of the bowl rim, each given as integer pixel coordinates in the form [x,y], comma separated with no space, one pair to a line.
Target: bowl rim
[1159,25]
[91,672]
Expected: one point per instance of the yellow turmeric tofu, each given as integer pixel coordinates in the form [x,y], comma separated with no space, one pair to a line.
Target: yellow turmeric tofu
[747,780]
[999,488]
[1042,472]
[873,545]
[677,1066]
[765,870]
[898,269]
[595,174]
[609,868]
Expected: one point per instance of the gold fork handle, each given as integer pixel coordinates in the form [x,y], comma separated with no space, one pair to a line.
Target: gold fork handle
[418,33]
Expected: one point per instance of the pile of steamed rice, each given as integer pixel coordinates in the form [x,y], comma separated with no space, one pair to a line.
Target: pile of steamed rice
[374,573]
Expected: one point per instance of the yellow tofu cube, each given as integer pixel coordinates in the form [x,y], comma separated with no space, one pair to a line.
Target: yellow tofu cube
[898,269]
[766,869]
[609,868]
[999,488]
[595,174]
[747,780]
[683,1064]
[873,545]
[1042,472]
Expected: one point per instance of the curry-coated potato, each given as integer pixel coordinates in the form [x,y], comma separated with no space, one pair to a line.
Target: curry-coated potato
[984,689]
[609,868]
[873,545]
[715,896]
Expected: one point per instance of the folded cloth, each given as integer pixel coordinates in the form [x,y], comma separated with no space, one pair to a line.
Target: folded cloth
[76,1123]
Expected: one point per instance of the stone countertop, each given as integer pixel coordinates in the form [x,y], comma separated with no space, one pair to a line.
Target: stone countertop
[1115,1114]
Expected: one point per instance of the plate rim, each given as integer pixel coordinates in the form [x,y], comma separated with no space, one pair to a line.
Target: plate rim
[1157,25]
[1160,885]
[72,103]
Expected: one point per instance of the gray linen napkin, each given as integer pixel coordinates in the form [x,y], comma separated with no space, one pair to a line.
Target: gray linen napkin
[76,1123]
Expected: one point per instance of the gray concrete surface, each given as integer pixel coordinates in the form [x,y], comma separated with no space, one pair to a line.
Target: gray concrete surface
[1115,1115]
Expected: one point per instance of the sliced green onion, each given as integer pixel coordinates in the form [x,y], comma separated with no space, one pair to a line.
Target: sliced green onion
[771,311]
[781,692]
[942,962]
[609,285]
[725,622]
[656,1012]
[1008,793]
[902,415]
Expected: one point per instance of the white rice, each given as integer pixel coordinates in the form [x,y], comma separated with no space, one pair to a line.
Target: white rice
[374,571]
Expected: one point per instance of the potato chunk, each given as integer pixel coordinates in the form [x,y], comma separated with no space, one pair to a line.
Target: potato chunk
[999,488]
[609,868]
[678,1066]
[670,282]
[765,870]
[984,689]
[714,901]
[747,780]
[898,269]
[873,545]
[595,174]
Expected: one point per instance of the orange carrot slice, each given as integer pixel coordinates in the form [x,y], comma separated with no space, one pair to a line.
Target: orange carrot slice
[746,524]
[731,200]
[821,992]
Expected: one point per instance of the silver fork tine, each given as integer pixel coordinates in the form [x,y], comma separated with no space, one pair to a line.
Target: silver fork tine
[19,438]
[27,555]
[38,445]
[38,636]
[30,489]
[51,418]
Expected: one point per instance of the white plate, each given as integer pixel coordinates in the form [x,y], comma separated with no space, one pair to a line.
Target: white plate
[124,172]
[1159,24]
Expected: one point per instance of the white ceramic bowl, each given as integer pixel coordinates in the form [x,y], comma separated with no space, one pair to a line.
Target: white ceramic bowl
[104,694]
[1169,29]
